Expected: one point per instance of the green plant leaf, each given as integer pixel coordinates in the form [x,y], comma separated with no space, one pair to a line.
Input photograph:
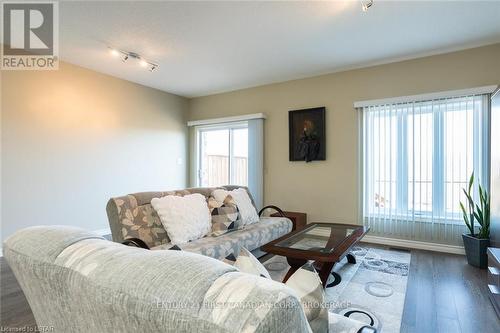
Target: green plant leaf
[469,198]
[486,214]
[481,193]
[469,190]
[466,218]
[478,218]
[479,210]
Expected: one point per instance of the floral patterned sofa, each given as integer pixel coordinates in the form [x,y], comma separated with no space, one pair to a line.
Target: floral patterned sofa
[132,216]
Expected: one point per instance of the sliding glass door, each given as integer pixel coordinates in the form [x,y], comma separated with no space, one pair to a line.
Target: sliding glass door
[223,155]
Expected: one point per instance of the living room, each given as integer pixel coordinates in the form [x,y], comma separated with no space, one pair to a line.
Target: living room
[332,162]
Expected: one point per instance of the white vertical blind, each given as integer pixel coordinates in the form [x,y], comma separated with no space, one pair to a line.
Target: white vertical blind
[417,157]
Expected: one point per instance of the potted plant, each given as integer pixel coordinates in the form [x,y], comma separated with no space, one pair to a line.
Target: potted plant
[476,244]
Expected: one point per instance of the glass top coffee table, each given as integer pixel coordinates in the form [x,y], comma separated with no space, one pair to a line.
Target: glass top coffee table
[324,243]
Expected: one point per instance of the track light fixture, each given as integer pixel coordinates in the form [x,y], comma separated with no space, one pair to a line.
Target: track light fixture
[366,4]
[126,55]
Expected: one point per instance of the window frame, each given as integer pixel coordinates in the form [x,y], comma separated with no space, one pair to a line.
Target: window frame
[439,212]
[230,126]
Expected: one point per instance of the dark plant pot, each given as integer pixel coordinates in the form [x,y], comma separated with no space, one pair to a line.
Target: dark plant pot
[475,249]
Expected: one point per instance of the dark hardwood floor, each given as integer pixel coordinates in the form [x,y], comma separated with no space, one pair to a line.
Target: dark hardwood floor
[444,294]
[14,309]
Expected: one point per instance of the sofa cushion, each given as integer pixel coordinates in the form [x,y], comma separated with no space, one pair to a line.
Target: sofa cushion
[225,215]
[252,237]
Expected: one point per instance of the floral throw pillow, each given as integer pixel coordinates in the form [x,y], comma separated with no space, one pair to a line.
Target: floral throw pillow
[225,215]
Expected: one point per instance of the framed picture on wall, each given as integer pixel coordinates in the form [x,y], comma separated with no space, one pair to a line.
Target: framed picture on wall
[306,131]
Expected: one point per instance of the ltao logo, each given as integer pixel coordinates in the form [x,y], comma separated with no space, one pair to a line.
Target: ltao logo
[30,36]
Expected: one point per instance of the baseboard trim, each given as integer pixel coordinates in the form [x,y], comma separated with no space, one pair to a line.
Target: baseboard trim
[411,244]
[407,244]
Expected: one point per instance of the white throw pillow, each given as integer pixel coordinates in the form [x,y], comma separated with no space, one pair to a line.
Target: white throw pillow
[308,287]
[184,218]
[240,196]
[247,263]
[305,282]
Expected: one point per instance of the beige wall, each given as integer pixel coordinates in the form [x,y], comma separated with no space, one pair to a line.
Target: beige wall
[328,190]
[73,138]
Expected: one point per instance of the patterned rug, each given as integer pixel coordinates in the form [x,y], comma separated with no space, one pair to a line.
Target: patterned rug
[372,290]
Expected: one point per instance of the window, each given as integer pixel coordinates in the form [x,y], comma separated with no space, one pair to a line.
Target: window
[229,151]
[417,157]
[223,155]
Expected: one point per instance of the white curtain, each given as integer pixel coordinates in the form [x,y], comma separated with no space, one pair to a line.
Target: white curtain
[256,160]
[417,157]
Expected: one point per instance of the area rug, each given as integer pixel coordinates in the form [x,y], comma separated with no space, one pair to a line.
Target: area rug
[372,290]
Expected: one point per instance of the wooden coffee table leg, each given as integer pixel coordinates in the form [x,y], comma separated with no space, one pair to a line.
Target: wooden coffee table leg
[325,269]
[351,258]
[324,273]
[295,264]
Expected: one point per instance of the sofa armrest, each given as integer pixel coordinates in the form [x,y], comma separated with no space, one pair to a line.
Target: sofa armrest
[136,242]
[276,208]
[114,221]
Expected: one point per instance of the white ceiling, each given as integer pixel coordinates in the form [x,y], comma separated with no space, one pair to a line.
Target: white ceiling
[209,47]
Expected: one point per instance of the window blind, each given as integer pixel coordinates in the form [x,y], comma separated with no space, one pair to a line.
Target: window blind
[417,157]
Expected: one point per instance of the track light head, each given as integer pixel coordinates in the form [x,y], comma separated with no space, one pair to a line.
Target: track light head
[366,4]
[125,55]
